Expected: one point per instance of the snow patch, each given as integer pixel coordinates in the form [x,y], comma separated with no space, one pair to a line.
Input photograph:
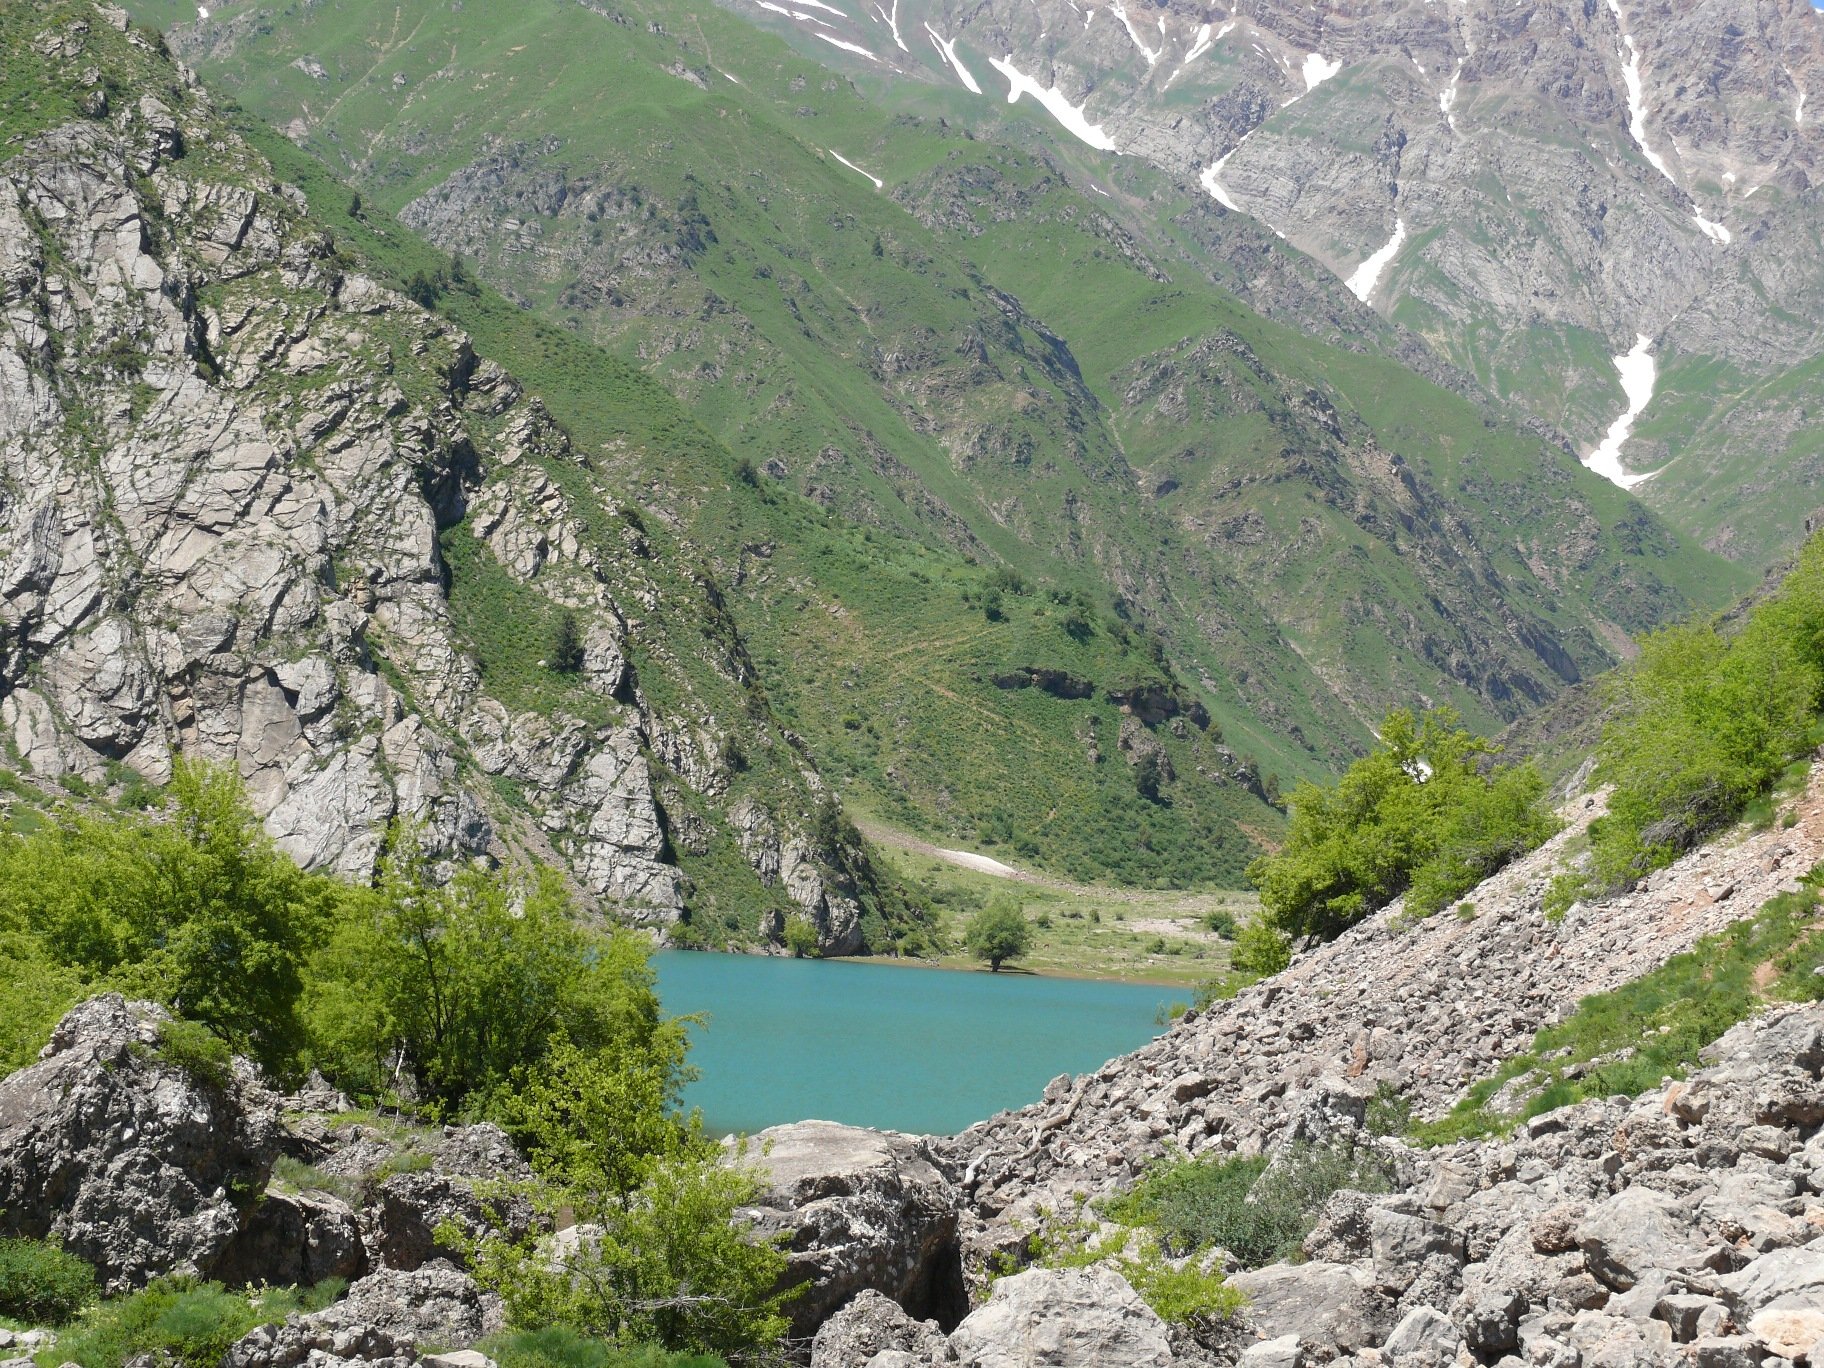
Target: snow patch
[1639,374]
[202,12]
[1366,276]
[1637,99]
[1205,41]
[982,864]
[878,182]
[893,23]
[1714,231]
[1317,71]
[846,47]
[1447,98]
[949,51]
[1061,109]
[819,4]
[1120,12]
[1214,186]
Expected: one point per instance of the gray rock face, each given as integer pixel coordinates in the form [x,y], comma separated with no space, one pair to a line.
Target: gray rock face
[862,1209]
[1063,1318]
[132,1163]
[871,1326]
[296,1239]
[231,539]
[383,1320]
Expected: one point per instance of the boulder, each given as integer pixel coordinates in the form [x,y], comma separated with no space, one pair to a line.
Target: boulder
[1424,1335]
[384,1319]
[135,1164]
[1786,1279]
[859,1209]
[295,1239]
[408,1208]
[1328,1306]
[1635,1231]
[871,1325]
[1063,1318]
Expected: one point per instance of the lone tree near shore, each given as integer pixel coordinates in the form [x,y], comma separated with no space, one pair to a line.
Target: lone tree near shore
[998,933]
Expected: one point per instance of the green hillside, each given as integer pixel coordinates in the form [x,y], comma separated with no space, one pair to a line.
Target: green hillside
[900,390]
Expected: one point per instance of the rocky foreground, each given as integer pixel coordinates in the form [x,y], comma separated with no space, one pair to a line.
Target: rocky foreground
[1682,1226]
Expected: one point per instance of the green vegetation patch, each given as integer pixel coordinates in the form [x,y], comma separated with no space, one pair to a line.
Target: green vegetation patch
[41,1283]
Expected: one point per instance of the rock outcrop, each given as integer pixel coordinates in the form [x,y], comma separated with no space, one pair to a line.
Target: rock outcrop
[859,1210]
[132,1162]
[264,510]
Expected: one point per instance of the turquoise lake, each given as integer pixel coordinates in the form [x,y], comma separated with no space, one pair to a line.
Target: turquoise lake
[925,1050]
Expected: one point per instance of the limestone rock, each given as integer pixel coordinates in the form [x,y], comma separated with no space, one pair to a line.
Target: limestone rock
[131,1162]
[1063,1318]
[862,1209]
[871,1325]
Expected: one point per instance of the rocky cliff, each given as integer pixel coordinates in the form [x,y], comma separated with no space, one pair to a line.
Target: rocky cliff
[1530,188]
[260,509]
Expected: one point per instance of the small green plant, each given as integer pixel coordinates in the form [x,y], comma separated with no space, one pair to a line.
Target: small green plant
[567,645]
[561,1347]
[1222,922]
[197,1050]
[181,1321]
[41,1283]
[1389,1111]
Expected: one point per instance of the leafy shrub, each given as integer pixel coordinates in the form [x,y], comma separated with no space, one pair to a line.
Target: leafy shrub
[1222,922]
[191,1324]
[561,1347]
[200,909]
[42,1283]
[198,1051]
[1259,1211]
[1428,814]
[1706,724]
[800,936]
[1260,950]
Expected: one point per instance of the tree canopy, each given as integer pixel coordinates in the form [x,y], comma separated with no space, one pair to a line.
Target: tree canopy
[998,933]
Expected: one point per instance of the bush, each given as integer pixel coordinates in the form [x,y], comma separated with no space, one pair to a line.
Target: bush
[671,1265]
[800,936]
[567,645]
[1428,814]
[998,933]
[200,910]
[1260,1211]
[184,1322]
[1706,724]
[41,1283]
[422,970]
[561,1347]
[198,1051]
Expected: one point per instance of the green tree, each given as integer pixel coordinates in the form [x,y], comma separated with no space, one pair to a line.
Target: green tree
[1428,814]
[800,936]
[998,933]
[567,645]
[197,909]
[462,985]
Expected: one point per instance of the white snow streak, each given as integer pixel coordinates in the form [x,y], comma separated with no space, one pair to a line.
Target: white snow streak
[1637,100]
[846,47]
[1447,98]
[818,4]
[893,23]
[1317,71]
[1638,376]
[1061,109]
[202,12]
[1152,58]
[1366,276]
[1203,44]
[1714,231]
[1798,111]
[1212,171]
[878,182]
[949,51]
